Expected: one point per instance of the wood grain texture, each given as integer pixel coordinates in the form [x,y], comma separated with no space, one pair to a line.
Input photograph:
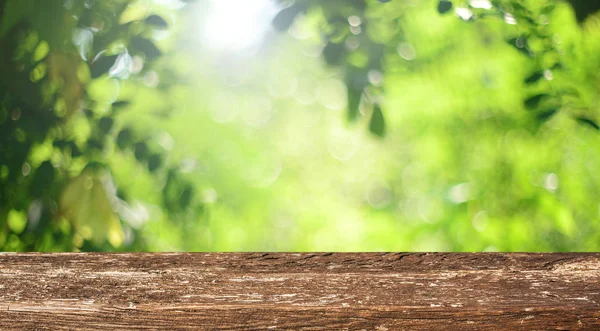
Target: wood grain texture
[341,291]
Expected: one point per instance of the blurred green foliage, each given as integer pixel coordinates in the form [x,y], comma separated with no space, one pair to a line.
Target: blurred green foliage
[470,126]
[63,64]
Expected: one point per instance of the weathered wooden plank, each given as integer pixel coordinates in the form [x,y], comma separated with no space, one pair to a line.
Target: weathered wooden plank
[233,291]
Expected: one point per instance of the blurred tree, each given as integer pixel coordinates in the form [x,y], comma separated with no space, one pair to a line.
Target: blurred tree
[365,37]
[64,131]
[56,190]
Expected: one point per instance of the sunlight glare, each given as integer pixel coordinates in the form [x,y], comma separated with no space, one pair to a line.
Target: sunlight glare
[237,25]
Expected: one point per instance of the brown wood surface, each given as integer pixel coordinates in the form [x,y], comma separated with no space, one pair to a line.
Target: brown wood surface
[232,291]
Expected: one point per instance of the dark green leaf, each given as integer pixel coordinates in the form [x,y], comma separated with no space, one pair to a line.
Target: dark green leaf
[520,44]
[548,9]
[3,115]
[88,112]
[95,143]
[353,104]
[140,151]
[118,106]
[122,194]
[143,45]
[124,139]
[518,7]
[172,191]
[96,166]
[384,1]
[546,114]
[377,124]
[102,65]
[75,150]
[587,121]
[444,6]
[534,78]
[42,180]
[105,124]
[534,101]
[156,21]
[61,144]
[154,162]
[584,8]
[186,197]
[333,53]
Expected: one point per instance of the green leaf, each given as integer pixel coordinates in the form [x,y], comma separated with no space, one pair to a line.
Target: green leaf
[43,179]
[140,151]
[124,139]
[118,106]
[518,7]
[172,191]
[333,53]
[143,45]
[587,121]
[75,150]
[534,78]
[353,104]
[534,101]
[377,124]
[546,114]
[105,124]
[444,6]
[520,44]
[584,8]
[154,162]
[95,143]
[102,65]
[156,21]
[186,196]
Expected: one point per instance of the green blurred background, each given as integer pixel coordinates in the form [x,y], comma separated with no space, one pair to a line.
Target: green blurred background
[238,125]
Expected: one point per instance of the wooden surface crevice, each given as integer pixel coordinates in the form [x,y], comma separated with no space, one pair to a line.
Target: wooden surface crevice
[308,291]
